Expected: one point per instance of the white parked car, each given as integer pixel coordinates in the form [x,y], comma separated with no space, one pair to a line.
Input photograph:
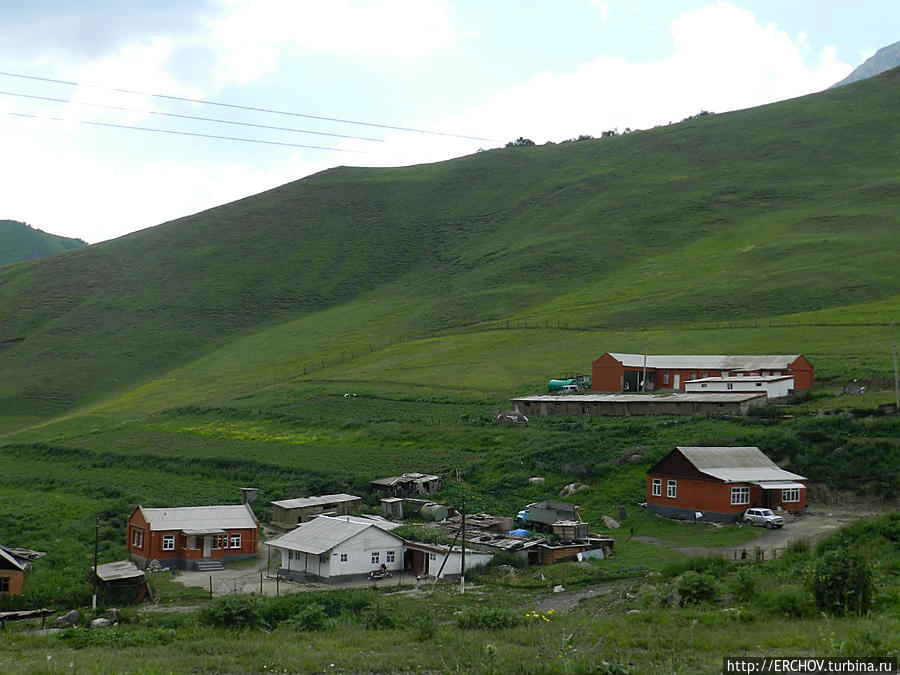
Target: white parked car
[764,517]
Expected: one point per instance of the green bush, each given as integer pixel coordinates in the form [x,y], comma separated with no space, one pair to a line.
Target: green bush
[842,582]
[695,587]
[488,618]
[377,617]
[312,617]
[794,602]
[234,611]
[744,582]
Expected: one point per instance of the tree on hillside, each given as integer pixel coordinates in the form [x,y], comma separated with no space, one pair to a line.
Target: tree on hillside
[520,141]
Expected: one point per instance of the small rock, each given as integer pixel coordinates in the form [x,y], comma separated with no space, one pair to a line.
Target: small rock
[536,480]
[101,623]
[611,523]
[113,615]
[633,611]
[571,488]
[66,620]
[558,589]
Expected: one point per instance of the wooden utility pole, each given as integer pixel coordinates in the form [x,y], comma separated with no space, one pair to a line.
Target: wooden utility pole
[896,381]
[462,564]
[644,374]
[96,551]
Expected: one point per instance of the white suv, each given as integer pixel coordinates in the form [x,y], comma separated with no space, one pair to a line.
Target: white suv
[764,517]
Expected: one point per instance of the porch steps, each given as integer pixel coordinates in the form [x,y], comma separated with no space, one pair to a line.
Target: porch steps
[208,565]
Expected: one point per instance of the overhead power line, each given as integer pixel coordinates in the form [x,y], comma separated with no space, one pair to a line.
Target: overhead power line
[187,117]
[251,108]
[180,133]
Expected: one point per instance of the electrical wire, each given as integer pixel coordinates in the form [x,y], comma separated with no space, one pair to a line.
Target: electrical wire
[252,108]
[186,117]
[180,133]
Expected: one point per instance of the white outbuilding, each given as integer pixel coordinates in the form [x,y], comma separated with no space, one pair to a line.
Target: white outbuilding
[774,386]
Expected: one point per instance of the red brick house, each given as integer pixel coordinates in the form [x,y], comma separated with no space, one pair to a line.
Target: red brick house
[720,484]
[12,574]
[614,372]
[193,537]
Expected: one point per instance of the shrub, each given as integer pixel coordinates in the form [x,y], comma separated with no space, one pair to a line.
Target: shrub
[791,601]
[312,617]
[234,611]
[695,587]
[842,582]
[744,583]
[377,617]
[488,618]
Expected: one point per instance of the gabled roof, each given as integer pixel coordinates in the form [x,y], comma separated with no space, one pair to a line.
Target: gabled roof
[405,478]
[201,519]
[757,362]
[736,465]
[7,561]
[325,532]
[302,502]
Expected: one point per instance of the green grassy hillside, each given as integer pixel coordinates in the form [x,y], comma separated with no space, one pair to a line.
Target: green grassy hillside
[739,220]
[19,242]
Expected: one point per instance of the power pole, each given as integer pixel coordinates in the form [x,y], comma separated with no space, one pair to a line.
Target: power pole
[896,381]
[462,565]
[96,551]
[644,375]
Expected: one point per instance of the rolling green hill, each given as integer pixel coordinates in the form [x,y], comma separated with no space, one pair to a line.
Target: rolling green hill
[19,241]
[784,213]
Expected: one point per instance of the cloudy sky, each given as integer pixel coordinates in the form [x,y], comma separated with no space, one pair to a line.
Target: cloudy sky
[116,115]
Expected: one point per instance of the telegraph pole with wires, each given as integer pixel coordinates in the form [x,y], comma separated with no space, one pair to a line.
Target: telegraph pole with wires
[96,550]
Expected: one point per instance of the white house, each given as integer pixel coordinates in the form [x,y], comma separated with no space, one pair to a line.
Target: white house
[774,386]
[346,547]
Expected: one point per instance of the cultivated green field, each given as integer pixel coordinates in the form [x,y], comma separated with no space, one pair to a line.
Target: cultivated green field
[363,322]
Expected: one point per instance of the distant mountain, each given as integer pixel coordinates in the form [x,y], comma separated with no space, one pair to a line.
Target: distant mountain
[884,59]
[20,241]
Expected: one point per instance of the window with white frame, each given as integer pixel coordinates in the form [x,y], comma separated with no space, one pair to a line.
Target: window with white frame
[790,495]
[656,487]
[432,556]
[168,542]
[740,495]
[389,556]
[666,377]
[343,557]
[218,540]
[730,385]
[376,557]
[672,488]
[235,541]
[137,538]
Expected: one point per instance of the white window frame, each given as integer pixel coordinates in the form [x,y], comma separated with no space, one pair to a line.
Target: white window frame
[376,557]
[672,489]
[217,541]
[168,542]
[390,556]
[344,557]
[234,537]
[740,495]
[666,377]
[786,492]
[656,487]
[730,385]
[137,537]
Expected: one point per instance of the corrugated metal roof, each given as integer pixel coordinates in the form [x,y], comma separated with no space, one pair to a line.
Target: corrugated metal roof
[744,378]
[122,569]
[302,502]
[674,397]
[711,362]
[777,484]
[736,464]
[230,517]
[12,561]
[325,532]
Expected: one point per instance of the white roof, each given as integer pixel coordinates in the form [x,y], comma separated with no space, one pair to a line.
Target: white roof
[8,558]
[325,532]
[744,378]
[201,519]
[674,397]
[770,361]
[736,464]
[302,502]
[778,484]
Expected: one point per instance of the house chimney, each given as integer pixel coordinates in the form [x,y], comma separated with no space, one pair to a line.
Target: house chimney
[248,495]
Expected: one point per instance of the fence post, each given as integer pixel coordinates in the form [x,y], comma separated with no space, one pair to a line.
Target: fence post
[210,586]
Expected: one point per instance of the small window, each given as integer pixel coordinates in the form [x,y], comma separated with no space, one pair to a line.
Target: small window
[168,542]
[376,557]
[137,538]
[705,374]
[703,385]
[693,376]
[672,489]
[323,559]
[218,541]
[343,557]
[4,584]
[656,487]
[389,556]
[666,377]
[290,554]
[790,495]
[730,385]
[740,495]
[236,540]
[432,556]
[759,384]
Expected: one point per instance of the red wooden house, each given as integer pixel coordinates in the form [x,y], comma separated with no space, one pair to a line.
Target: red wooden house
[193,537]
[614,372]
[720,484]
